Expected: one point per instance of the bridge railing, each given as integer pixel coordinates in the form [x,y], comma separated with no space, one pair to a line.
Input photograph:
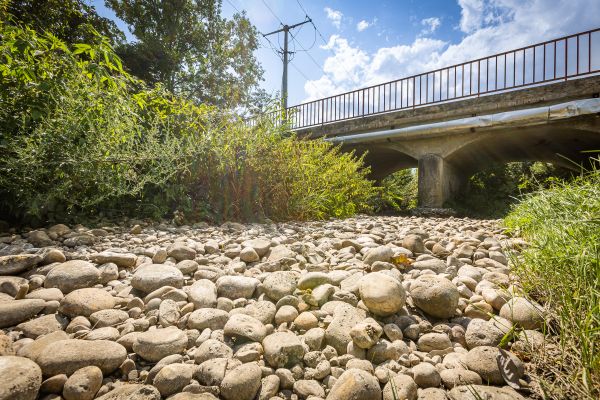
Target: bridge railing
[559,59]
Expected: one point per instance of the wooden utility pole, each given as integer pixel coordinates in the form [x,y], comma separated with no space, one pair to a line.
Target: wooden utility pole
[284,79]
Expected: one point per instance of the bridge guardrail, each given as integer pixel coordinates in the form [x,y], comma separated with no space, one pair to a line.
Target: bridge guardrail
[564,58]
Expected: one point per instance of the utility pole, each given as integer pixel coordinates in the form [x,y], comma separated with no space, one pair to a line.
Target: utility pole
[284,79]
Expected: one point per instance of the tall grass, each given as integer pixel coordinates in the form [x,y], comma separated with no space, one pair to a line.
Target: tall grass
[561,269]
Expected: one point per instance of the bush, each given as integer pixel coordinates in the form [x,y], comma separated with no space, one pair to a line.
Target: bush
[397,192]
[562,270]
[80,137]
[491,193]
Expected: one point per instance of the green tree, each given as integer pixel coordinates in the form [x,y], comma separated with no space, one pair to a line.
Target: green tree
[191,49]
[69,20]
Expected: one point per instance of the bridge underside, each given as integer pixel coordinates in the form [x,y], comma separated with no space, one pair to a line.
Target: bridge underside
[443,175]
[448,143]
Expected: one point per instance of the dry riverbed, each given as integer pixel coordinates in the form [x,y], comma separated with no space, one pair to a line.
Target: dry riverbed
[363,308]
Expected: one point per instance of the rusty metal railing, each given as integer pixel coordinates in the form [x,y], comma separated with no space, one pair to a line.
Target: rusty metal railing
[559,59]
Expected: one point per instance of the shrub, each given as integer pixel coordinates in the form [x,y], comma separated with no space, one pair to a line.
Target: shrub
[561,268]
[397,192]
[80,137]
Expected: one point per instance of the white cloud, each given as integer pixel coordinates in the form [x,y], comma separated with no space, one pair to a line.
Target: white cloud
[362,25]
[471,14]
[490,26]
[430,25]
[334,16]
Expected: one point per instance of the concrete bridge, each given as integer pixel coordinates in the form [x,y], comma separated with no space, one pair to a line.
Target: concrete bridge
[537,103]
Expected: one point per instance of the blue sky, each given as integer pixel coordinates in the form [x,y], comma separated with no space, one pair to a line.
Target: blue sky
[368,42]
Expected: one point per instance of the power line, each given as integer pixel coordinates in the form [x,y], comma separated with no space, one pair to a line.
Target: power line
[272,12]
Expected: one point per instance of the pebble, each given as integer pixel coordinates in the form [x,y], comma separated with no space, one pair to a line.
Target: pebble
[362,308]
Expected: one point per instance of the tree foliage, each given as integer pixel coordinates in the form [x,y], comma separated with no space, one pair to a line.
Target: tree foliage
[69,20]
[194,52]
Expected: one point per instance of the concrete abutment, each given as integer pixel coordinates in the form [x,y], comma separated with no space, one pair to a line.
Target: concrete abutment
[439,181]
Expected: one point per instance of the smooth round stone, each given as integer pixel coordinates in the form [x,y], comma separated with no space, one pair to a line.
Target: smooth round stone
[245,327]
[241,383]
[187,267]
[13,312]
[279,284]
[477,392]
[173,378]
[434,341]
[381,253]
[109,317]
[382,294]
[236,287]
[52,294]
[43,325]
[426,375]
[285,314]
[435,295]
[132,391]
[486,333]
[85,302]
[125,260]
[83,384]
[15,264]
[311,280]
[150,277]
[523,312]
[106,333]
[355,384]
[484,361]
[181,252]
[67,356]
[249,255]
[458,376]
[202,293]
[308,387]
[366,333]
[211,318]
[156,344]
[400,387]
[211,349]
[261,246]
[20,378]
[282,349]
[306,320]
[72,275]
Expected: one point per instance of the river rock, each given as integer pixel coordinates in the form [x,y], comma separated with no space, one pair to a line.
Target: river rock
[16,264]
[337,334]
[86,302]
[202,293]
[245,327]
[400,387]
[484,361]
[83,384]
[381,253]
[133,391]
[20,378]
[124,260]
[150,277]
[241,383]
[523,312]
[72,275]
[43,325]
[14,312]
[477,392]
[355,384]
[159,343]
[67,356]
[173,378]
[279,284]
[282,349]
[382,294]
[435,295]
[236,287]
[211,318]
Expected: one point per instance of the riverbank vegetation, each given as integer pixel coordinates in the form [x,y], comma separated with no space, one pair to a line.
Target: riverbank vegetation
[82,137]
[561,269]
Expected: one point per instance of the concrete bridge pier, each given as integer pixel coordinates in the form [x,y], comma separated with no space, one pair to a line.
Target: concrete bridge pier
[439,181]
